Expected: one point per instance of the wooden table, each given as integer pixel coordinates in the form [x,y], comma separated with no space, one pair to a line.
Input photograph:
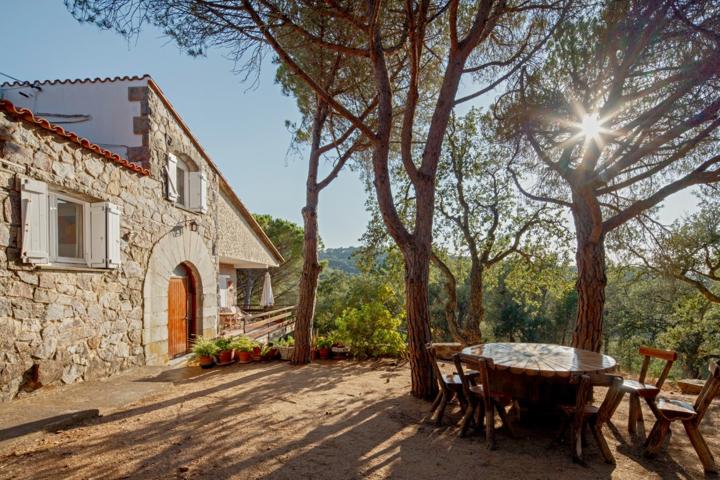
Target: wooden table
[538,373]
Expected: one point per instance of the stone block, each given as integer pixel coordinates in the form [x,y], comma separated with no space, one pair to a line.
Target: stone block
[28,277]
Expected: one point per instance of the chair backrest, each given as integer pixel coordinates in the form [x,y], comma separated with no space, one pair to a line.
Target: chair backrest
[482,365]
[444,351]
[709,391]
[586,382]
[433,360]
[649,352]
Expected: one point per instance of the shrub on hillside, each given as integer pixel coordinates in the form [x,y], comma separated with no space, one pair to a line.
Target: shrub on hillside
[371,330]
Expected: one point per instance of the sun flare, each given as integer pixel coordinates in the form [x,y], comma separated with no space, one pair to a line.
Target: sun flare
[590,126]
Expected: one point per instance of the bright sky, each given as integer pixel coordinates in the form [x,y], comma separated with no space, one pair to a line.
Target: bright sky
[242,129]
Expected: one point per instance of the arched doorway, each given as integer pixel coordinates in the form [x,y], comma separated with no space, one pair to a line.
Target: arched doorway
[186,248]
[182,292]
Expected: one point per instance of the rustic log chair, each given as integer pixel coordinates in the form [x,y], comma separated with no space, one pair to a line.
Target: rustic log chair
[583,414]
[638,389]
[690,416]
[482,400]
[449,386]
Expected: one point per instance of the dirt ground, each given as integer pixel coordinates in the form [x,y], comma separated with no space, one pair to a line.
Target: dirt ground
[329,420]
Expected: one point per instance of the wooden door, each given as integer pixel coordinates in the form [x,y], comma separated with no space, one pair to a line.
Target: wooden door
[178,316]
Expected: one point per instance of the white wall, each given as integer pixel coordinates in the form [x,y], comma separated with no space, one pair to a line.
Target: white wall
[111,122]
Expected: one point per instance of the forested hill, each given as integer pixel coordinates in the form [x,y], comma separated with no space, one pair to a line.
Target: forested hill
[341,259]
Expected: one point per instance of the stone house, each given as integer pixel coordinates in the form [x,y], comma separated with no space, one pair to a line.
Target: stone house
[118,242]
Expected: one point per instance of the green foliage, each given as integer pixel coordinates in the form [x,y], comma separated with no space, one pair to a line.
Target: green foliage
[288,238]
[371,330]
[323,342]
[340,259]
[694,332]
[286,342]
[223,343]
[243,344]
[338,291]
[203,346]
[531,302]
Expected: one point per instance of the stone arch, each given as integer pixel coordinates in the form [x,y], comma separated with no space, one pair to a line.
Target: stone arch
[180,246]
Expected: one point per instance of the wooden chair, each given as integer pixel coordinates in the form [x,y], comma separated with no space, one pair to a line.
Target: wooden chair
[449,385]
[638,389]
[690,416]
[482,400]
[583,414]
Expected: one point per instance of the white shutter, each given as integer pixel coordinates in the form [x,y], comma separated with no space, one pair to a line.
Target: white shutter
[198,192]
[113,235]
[35,238]
[104,235]
[223,294]
[171,171]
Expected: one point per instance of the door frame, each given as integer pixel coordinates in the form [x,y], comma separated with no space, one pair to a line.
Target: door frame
[191,308]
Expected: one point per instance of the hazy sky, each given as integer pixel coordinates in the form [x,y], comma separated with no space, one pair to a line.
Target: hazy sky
[242,128]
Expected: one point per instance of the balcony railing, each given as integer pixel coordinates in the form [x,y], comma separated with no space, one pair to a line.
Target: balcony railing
[261,324]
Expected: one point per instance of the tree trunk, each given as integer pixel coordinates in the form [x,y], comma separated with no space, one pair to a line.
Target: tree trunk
[417,271]
[451,305]
[591,278]
[307,287]
[476,308]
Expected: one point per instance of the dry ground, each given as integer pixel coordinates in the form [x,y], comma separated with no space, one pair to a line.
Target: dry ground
[334,420]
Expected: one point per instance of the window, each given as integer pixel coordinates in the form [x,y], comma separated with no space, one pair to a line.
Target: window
[61,229]
[182,176]
[67,229]
[186,184]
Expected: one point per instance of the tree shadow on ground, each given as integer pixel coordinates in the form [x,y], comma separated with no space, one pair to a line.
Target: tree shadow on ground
[339,420]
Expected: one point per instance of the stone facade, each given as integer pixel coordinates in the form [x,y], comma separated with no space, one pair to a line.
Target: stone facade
[236,239]
[60,324]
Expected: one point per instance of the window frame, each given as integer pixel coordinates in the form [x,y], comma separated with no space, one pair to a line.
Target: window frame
[181,164]
[54,258]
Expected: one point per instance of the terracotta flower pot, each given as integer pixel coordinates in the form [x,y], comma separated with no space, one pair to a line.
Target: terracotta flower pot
[256,351]
[324,353]
[314,353]
[225,356]
[205,361]
[243,357]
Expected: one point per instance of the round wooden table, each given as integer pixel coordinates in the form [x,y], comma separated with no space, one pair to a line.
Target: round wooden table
[538,373]
[542,359]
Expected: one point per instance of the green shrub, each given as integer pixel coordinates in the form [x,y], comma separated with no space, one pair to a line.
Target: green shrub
[371,330]
[204,347]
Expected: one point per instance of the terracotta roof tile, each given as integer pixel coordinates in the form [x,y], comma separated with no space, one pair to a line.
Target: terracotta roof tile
[27,115]
[123,78]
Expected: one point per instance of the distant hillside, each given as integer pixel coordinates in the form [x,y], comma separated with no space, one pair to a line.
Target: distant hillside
[340,259]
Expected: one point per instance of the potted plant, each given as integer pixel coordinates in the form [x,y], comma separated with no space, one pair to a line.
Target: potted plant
[324,345]
[339,350]
[204,349]
[286,347]
[224,355]
[256,354]
[268,352]
[243,347]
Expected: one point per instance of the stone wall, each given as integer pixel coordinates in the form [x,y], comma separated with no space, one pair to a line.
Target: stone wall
[236,239]
[62,325]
